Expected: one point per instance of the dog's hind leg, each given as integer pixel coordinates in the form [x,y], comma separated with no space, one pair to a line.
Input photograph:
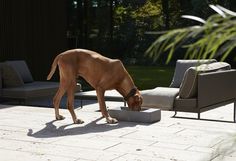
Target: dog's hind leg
[57,100]
[70,102]
[64,85]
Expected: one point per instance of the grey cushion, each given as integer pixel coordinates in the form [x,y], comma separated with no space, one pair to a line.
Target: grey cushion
[10,77]
[21,67]
[188,88]
[160,97]
[29,90]
[182,66]
[34,89]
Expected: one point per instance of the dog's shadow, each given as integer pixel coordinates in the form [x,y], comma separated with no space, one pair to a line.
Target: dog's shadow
[53,131]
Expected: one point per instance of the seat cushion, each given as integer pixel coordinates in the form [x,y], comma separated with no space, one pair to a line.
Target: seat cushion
[35,89]
[10,77]
[21,67]
[188,88]
[182,66]
[30,90]
[160,97]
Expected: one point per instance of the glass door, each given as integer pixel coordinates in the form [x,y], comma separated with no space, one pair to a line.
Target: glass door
[90,25]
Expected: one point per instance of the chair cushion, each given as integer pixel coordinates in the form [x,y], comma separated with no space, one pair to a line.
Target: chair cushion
[30,90]
[182,66]
[160,97]
[10,77]
[188,88]
[21,67]
[35,89]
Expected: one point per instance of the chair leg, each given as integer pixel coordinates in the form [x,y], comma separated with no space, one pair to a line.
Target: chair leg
[175,114]
[198,115]
[81,103]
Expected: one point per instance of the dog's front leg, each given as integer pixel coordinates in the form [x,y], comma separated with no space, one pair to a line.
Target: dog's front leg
[102,106]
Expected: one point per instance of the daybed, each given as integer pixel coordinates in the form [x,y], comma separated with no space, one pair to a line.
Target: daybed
[16,83]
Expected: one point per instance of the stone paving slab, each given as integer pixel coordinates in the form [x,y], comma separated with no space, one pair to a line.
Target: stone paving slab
[11,155]
[133,157]
[224,158]
[30,133]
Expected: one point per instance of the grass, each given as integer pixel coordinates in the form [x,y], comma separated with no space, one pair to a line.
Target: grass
[147,77]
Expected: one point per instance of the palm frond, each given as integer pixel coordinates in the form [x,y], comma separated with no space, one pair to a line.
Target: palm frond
[226,10]
[195,18]
[218,10]
[216,37]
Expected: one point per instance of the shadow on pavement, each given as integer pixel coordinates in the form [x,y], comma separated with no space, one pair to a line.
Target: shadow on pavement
[53,131]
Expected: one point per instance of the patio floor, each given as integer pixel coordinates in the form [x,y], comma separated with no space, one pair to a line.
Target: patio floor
[30,133]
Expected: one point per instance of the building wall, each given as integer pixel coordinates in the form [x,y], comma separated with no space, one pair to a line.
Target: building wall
[33,30]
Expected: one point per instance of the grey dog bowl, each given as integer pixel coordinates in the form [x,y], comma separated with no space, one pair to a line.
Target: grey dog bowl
[146,115]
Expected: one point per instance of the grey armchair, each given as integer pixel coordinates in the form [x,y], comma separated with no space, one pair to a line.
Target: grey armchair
[197,86]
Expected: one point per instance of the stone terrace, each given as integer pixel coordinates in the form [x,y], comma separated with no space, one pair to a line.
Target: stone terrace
[30,134]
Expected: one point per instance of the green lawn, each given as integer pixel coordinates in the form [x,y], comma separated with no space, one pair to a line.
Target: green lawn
[151,77]
[145,77]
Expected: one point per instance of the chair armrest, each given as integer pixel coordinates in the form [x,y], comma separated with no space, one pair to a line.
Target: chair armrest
[216,87]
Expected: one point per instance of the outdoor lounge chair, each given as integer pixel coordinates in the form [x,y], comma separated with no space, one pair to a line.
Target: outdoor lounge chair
[197,86]
[16,83]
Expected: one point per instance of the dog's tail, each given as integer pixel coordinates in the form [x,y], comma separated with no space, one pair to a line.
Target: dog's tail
[53,68]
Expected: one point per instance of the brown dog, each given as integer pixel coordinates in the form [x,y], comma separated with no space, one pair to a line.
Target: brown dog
[100,72]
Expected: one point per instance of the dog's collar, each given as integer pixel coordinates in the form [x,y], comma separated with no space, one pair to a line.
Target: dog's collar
[131,93]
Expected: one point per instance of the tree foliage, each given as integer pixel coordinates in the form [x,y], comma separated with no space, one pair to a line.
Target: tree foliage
[131,20]
[124,29]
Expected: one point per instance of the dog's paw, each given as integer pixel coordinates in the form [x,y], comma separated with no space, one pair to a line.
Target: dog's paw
[111,120]
[78,121]
[60,117]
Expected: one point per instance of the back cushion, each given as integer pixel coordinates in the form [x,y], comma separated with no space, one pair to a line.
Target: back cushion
[188,88]
[21,67]
[182,66]
[10,77]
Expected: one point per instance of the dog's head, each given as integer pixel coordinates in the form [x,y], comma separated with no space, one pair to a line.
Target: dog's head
[134,100]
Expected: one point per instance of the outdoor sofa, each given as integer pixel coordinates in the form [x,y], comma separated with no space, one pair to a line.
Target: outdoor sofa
[17,83]
[197,86]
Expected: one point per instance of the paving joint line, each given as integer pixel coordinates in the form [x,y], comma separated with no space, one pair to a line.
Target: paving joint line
[111,146]
[128,133]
